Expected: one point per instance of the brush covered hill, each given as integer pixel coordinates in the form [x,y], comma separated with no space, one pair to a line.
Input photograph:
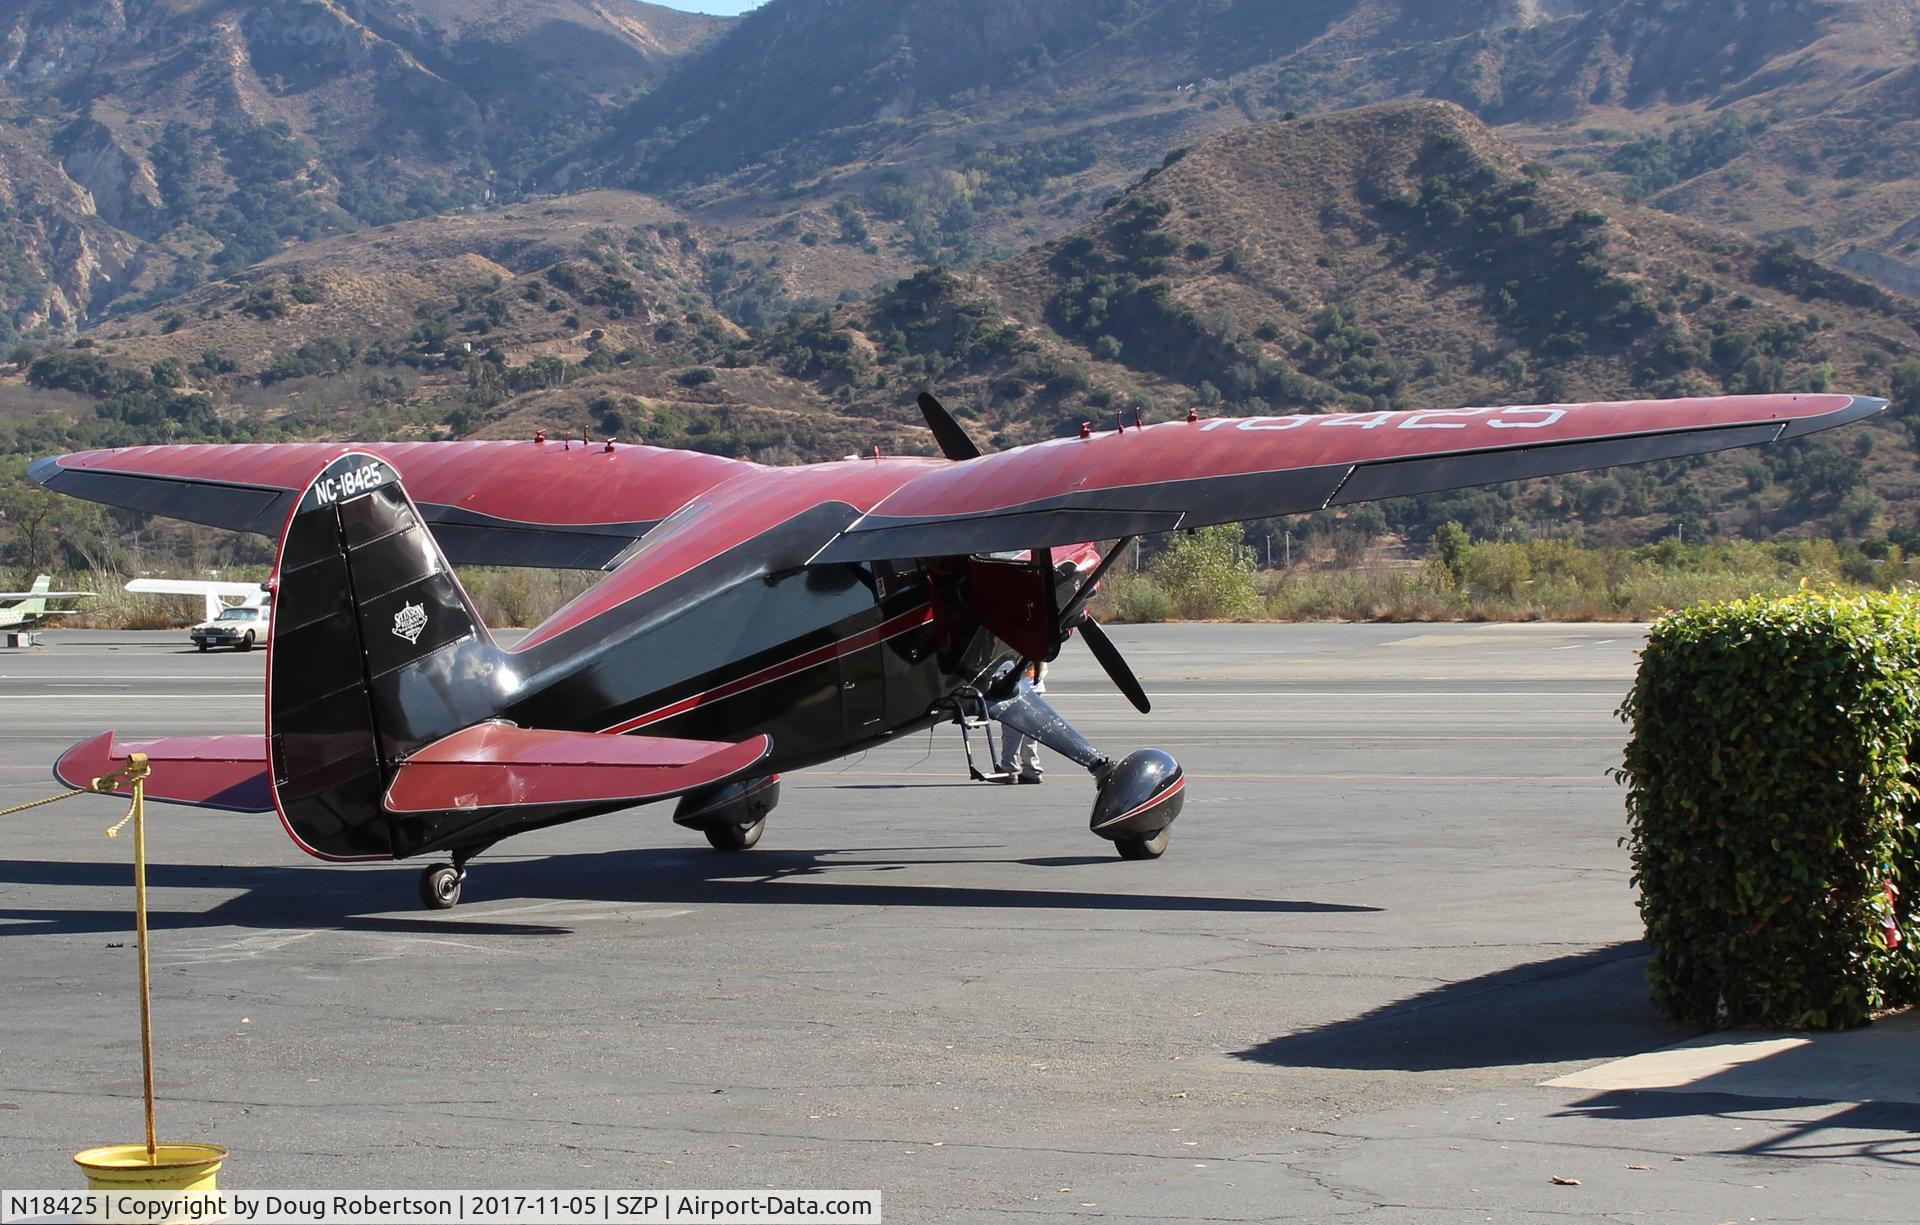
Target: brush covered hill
[959,128]
[1389,257]
[147,144]
[1393,256]
[603,313]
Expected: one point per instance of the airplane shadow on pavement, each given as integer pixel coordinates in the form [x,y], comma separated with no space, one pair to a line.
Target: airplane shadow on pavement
[366,899]
[1592,1005]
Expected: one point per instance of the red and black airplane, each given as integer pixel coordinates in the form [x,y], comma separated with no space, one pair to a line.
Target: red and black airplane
[753,619]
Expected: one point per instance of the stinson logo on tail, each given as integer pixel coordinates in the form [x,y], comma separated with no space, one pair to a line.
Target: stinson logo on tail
[410,622]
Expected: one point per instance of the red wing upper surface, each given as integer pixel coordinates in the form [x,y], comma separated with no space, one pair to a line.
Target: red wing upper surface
[563,505]
[1225,469]
[553,504]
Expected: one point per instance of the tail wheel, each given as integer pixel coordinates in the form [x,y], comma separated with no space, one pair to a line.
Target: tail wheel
[440,886]
[246,644]
[1150,847]
[730,837]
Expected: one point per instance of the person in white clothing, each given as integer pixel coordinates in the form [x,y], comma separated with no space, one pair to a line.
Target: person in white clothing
[1019,753]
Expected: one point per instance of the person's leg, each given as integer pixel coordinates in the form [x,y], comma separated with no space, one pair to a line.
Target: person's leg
[1014,746]
[1029,761]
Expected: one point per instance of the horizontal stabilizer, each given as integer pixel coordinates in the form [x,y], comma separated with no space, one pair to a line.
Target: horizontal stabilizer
[495,765]
[227,772]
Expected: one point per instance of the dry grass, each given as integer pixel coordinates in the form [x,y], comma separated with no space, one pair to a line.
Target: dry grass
[1537,581]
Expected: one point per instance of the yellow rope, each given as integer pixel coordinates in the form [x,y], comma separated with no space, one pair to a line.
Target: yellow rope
[54,799]
[114,830]
[134,771]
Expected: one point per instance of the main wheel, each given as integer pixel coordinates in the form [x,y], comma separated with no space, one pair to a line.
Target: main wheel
[1150,847]
[246,644]
[440,886]
[730,837]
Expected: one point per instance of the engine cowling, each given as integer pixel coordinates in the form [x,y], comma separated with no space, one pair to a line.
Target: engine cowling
[1140,797]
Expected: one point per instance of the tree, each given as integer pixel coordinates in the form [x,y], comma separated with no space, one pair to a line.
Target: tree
[1209,573]
[1450,546]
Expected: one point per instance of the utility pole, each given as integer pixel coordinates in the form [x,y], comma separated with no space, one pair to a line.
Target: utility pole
[1289,543]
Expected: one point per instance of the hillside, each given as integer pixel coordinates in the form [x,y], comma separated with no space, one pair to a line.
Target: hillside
[1399,256]
[1393,256]
[955,129]
[147,144]
[835,145]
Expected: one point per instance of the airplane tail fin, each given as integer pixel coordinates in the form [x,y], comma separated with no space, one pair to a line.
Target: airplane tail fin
[376,652]
[35,604]
[385,696]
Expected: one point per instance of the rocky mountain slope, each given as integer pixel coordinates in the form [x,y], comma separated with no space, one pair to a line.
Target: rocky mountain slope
[963,126]
[147,144]
[1393,256]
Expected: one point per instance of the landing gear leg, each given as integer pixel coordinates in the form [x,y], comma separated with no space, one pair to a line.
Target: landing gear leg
[440,884]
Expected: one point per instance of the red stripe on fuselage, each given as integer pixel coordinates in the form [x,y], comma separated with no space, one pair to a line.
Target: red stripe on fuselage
[909,620]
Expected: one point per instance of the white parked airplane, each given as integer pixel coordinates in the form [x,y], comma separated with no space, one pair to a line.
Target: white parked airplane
[241,625]
[26,609]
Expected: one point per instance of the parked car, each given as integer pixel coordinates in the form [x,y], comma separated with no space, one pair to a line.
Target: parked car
[240,628]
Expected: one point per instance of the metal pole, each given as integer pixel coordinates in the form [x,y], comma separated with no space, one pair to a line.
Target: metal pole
[137,771]
[1289,550]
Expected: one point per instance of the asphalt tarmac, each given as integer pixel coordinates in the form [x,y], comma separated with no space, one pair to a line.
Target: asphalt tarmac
[1394,910]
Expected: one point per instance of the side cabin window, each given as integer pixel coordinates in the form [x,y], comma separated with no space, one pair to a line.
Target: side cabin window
[799,603]
[772,617]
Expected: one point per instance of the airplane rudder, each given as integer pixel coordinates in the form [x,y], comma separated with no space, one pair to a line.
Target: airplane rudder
[376,651]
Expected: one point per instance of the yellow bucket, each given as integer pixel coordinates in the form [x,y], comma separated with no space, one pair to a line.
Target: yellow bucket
[176,1170]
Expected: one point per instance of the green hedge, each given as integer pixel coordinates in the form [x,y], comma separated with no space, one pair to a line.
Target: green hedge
[1771,805]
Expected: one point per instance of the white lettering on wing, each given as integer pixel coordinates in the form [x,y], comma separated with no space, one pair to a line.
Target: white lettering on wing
[1425,419]
[1519,418]
[1503,422]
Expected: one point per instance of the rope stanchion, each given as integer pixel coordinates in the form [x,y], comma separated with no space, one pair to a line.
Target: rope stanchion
[135,773]
[152,1168]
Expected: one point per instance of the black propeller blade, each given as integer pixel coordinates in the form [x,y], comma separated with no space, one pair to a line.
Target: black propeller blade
[1110,659]
[953,440]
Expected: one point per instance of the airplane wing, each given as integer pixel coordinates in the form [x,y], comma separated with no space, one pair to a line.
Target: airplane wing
[213,595]
[187,586]
[541,503]
[47,595]
[1183,474]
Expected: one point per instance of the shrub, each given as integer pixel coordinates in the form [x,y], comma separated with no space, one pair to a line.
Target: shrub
[1208,573]
[1133,599]
[1767,783]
